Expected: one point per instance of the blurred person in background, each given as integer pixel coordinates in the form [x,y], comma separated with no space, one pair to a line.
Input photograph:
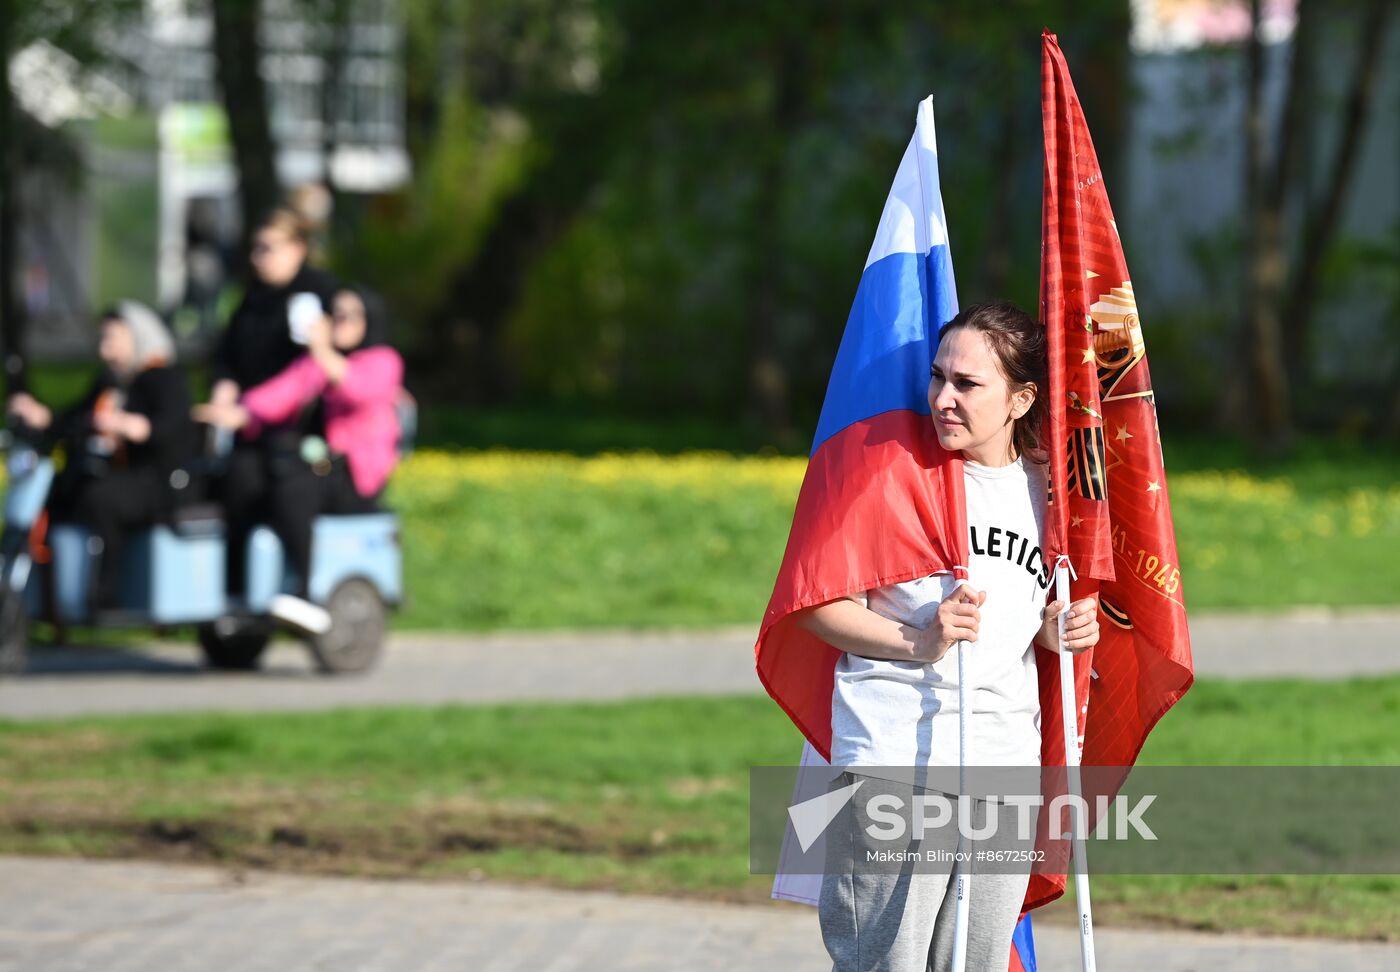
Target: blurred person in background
[357,380]
[207,264]
[315,204]
[127,441]
[269,330]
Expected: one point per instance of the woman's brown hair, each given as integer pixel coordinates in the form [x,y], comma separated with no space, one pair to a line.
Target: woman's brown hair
[1018,341]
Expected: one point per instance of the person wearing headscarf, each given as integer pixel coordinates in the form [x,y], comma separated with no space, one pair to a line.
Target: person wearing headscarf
[356,379]
[127,442]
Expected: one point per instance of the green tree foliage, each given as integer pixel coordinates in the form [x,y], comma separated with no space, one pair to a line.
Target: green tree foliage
[667,206]
[76,29]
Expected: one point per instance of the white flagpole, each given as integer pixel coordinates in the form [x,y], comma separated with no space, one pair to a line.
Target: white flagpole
[1069,708]
[964,860]
[963,888]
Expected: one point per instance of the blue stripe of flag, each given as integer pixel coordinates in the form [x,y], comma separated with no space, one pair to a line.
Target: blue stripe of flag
[891,335]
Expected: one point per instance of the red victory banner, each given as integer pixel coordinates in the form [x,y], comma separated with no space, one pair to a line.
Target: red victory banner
[1108,512]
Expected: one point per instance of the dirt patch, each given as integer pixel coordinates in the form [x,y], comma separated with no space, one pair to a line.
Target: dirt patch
[363,840]
[305,837]
[29,748]
[452,848]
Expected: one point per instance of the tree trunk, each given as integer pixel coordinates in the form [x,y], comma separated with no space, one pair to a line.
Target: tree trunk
[1321,225]
[334,53]
[1392,425]
[437,60]
[1105,88]
[238,67]
[1263,409]
[995,274]
[11,313]
[473,320]
[767,372]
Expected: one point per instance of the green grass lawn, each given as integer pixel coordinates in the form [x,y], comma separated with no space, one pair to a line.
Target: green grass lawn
[535,540]
[516,540]
[647,796]
[522,540]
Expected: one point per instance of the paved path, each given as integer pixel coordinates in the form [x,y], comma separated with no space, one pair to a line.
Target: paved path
[64,916]
[423,668]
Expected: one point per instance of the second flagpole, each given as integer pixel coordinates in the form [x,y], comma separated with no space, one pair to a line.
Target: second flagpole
[964,860]
[963,887]
[1079,823]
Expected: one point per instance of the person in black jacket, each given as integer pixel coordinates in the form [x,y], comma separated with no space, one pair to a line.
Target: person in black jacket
[127,442]
[285,296]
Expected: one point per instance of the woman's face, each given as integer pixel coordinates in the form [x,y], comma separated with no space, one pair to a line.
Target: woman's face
[116,346]
[347,321]
[276,256]
[974,408]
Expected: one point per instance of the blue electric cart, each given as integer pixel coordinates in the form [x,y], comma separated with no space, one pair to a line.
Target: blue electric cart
[173,575]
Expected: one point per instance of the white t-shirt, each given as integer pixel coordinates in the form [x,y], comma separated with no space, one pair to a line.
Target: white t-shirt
[905,714]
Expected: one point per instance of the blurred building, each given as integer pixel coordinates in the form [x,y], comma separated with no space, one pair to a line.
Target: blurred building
[153,213]
[1184,167]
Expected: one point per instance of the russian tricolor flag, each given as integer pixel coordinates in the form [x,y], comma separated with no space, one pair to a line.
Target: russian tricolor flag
[881,501]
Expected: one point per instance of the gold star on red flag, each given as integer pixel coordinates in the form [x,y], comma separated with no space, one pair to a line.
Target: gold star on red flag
[1074,521]
[1153,486]
[1123,434]
[1088,355]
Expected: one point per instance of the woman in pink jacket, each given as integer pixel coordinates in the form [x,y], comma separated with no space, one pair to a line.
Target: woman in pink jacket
[357,380]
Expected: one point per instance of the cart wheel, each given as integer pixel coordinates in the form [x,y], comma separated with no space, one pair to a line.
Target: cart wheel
[14,633]
[235,651]
[357,629]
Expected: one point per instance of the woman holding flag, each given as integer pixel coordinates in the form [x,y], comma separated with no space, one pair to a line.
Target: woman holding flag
[895,699]
[923,522]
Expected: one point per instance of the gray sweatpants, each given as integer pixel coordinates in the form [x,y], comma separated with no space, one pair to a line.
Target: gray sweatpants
[903,922]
